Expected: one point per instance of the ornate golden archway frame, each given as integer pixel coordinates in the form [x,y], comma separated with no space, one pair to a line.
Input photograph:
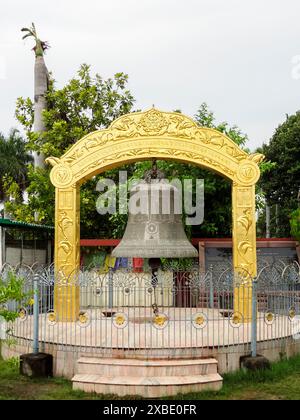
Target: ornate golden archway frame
[143,136]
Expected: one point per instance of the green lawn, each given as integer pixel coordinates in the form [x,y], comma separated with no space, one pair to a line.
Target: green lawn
[281,382]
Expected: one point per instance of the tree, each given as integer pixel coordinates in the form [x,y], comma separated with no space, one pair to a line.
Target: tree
[86,103]
[281,182]
[41,84]
[295,224]
[14,159]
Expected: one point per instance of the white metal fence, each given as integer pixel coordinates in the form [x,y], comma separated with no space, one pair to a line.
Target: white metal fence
[160,312]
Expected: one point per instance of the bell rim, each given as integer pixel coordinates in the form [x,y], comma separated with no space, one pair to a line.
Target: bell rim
[127,252]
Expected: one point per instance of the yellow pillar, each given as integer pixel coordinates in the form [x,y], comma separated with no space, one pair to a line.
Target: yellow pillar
[244,248]
[67,253]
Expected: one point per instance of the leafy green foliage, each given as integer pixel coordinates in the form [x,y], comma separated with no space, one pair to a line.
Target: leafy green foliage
[85,104]
[13,363]
[43,203]
[281,181]
[217,190]
[180,264]
[12,290]
[295,224]
[14,158]
[40,46]
[205,118]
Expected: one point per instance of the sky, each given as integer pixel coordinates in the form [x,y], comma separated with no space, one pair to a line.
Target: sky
[240,57]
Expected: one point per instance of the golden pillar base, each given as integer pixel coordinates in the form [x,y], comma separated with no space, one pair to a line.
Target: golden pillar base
[66,302]
[242,303]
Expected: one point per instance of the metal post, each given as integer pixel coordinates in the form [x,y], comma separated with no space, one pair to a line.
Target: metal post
[36,315]
[254,319]
[277,219]
[268,221]
[110,289]
[4,245]
[22,246]
[1,247]
[211,288]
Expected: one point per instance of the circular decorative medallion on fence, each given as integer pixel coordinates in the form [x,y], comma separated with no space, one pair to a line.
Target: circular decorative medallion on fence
[269,318]
[98,291]
[292,314]
[126,291]
[199,320]
[120,320]
[83,319]
[150,290]
[51,317]
[160,321]
[236,319]
[23,314]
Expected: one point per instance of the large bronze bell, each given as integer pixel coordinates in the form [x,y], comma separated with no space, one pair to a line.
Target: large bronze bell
[156,231]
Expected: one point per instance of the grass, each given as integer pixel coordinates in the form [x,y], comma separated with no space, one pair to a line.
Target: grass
[281,382]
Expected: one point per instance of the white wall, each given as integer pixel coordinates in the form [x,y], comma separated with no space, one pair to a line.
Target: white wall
[13,256]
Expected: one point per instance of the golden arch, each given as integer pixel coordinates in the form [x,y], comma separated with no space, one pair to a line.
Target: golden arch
[145,135]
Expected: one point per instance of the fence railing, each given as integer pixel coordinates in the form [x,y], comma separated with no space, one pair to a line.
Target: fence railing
[159,313]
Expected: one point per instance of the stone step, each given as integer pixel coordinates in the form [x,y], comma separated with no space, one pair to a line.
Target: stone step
[148,387]
[145,368]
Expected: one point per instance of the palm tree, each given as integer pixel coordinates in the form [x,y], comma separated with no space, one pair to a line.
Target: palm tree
[14,159]
[41,84]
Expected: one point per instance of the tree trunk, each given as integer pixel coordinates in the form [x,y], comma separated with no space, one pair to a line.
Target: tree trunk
[41,80]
